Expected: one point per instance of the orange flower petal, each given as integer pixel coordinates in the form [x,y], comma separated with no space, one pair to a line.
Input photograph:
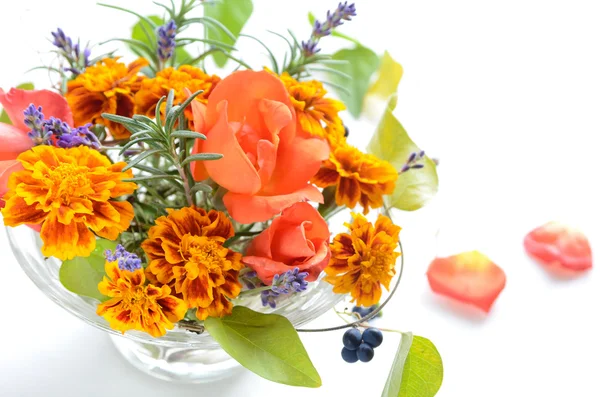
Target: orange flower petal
[248,209]
[559,248]
[470,277]
[222,139]
[244,90]
[60,240]
[309,152]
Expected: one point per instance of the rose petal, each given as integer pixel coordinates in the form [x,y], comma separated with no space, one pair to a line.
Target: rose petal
[234,171]
[53,105]
[469,277]
[560,248]
[247,209]
[14,142]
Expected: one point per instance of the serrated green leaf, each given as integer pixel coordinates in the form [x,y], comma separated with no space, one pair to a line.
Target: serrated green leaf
[233,14]
[3,115]
[82,275]
[417,370]
[391,142]
[266,344]
[390,73]
[361,64]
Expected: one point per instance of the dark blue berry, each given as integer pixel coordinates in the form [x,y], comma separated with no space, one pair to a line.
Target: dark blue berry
[365,311]
[352,339]
[365,352]
[349,356]
[373,337]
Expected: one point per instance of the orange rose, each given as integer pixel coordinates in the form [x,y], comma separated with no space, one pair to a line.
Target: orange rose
[266,166]
[298,238]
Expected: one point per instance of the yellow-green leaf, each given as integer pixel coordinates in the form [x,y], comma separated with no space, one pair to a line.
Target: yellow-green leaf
[233,14]
[417,370]
[4,116]
[361,63]
[391,142]
[390,73]
[266,344]
[82,275]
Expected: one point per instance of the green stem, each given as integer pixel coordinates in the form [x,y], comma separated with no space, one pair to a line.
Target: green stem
[250,292]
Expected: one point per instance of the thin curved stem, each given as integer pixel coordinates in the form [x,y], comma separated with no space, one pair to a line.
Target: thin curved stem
[359,323]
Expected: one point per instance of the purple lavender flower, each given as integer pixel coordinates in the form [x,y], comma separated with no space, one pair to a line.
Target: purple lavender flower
[78,60]
[412,162]
[62,41]
[126,260]
[166,40]
[34,120]
[43,131]
[285,283]
[80,136]
[342,13]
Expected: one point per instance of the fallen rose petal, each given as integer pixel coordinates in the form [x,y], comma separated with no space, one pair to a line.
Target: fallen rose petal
[469,277]
[559,248]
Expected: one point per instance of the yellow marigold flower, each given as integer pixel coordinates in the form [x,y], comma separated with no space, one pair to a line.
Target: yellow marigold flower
[71,192]
[190,77]
[106,87]
[186,252]
[364,259]
[314,112]
[146,308]
[359,177]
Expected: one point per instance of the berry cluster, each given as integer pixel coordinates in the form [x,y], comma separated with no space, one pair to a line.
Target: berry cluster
[359,346]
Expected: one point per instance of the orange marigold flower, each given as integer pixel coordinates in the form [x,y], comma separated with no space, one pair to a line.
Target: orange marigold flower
[359,177]
[186,252]
[71,192]
[314,112]
[106,87]
[190,77]
[146,308]
[364,260]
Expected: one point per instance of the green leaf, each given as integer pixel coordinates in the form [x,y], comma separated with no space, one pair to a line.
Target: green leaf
[233,14]
[361,64]
[335,32]
[82,275]
[188,134]
[390,73]
[202,157]
[390,142]
[4,116]
[266,344]
[417,370]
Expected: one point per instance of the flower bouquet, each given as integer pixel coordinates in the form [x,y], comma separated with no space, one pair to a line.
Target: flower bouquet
[189,213]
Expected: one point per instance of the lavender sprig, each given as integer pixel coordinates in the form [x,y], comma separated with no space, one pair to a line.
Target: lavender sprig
[342,13]
[166,41]
[126,260]
[78,60]
[413,162]
[285,283]
[44,132]
[34,120]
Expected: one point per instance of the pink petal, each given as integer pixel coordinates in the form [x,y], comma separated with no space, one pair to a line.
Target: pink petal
[16,101]
[13,142]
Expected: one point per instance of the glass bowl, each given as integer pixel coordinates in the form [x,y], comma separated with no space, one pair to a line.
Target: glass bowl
[180,355]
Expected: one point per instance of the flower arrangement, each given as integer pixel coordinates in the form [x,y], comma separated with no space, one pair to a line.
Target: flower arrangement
[193,189]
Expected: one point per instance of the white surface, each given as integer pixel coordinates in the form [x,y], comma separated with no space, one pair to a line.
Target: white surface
[505,93]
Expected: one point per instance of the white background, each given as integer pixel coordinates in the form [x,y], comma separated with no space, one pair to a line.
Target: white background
[505,93]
